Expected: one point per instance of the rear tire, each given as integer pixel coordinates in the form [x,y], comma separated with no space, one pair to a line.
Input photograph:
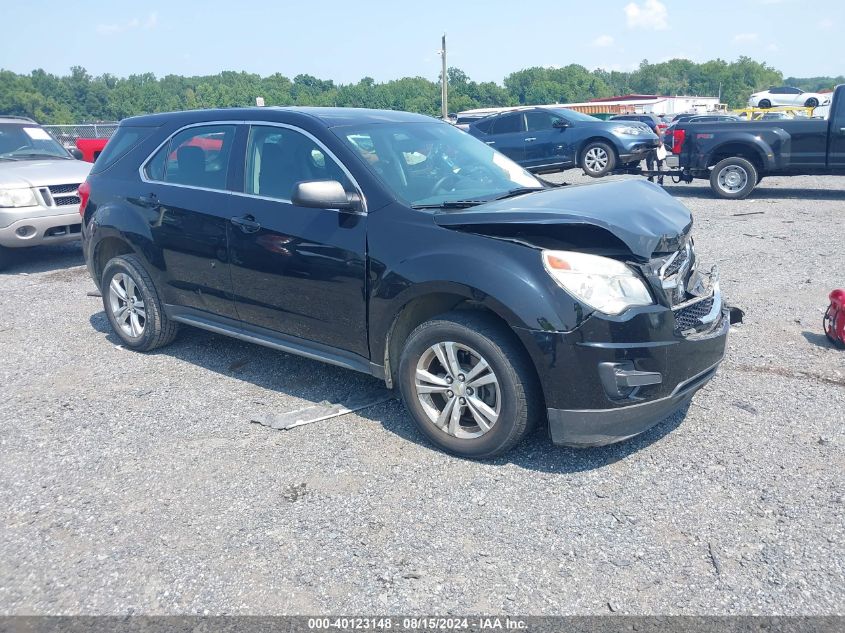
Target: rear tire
[133,306]
[733,178]
[598,159]
[458,370]
[765,104]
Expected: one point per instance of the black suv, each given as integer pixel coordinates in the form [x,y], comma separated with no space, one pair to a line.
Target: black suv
[396,245]
[546,139]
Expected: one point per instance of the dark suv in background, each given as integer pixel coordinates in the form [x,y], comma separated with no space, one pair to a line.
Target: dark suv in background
[396,245]
[547,139]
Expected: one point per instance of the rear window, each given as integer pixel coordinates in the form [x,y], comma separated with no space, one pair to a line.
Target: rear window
[125,138]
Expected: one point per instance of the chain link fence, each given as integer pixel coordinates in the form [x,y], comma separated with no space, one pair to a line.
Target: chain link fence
[68,134]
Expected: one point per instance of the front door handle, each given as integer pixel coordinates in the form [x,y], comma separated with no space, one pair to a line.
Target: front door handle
[150,201]
[247,224]
[530,138]
[842,130]
[491,142]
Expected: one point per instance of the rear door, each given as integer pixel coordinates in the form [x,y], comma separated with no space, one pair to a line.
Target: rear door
[836,141]
[507,134]
[296,270]
[184,184]
[544,143]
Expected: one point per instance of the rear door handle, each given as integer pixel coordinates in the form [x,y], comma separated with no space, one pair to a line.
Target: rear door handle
[530,138]
[490,142]
[247,224]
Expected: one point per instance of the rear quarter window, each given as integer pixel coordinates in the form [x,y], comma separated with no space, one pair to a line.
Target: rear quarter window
[125,138]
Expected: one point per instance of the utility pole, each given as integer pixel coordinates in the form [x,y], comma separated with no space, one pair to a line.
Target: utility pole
[444,87]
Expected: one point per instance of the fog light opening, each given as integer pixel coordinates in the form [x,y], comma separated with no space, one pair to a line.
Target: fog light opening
[25,231]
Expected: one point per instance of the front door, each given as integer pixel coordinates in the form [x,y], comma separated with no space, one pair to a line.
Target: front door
[546,144]
[184,194]
[298,271]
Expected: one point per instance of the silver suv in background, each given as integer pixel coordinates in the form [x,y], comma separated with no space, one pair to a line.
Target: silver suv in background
[39,181]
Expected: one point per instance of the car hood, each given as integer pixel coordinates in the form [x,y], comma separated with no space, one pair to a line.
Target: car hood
[42,173]
[639,213]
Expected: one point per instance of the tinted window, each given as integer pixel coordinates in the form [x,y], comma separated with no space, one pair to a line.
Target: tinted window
[278,158]
[538,120]
[484,125]
[507,124]
[196,157]
[124,139]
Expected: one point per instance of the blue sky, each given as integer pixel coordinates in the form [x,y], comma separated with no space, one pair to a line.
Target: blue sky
[345,40]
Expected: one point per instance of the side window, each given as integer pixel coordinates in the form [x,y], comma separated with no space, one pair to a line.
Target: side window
[278,158]
[484,125]
[777,91]
[197,157]
[507,124]
[537,120]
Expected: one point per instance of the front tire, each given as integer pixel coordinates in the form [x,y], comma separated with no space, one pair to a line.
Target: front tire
[133,306]
[598,159]
[469,385]
[811,103]
[733,178]
[765,104]
[5,257]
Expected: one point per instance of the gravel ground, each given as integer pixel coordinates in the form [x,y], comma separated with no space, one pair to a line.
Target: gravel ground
[135,483]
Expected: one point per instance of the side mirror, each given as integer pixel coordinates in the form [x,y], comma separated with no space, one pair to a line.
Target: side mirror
[323,194]
[561,124]
[76,153]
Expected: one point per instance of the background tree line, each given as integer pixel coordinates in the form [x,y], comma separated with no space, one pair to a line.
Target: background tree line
[79,97]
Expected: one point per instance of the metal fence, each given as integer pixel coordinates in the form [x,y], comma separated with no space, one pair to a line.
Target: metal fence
[67,134]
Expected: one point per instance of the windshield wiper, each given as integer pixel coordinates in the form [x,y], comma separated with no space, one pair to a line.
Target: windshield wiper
[450,204]
[37,155]
[517,192]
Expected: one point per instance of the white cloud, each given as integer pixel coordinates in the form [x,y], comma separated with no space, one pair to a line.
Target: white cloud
[603,41]
[773,48]
[826,24]
[149,23]
[651,14]
[745,37]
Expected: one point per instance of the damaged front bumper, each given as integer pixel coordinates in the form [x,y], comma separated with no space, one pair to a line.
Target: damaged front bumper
[614,377]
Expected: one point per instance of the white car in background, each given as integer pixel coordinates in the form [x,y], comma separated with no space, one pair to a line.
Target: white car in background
[787,96]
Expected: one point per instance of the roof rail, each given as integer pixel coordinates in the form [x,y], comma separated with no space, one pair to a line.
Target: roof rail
[14,116]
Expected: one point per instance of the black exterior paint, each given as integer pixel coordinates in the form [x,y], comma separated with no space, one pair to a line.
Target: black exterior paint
[786,147]
[331,284]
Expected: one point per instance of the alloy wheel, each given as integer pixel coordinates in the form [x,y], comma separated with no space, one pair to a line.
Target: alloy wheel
[127,306]
[596,159]
[458,390]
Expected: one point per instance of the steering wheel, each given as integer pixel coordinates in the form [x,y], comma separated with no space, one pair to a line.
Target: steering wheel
[442,182]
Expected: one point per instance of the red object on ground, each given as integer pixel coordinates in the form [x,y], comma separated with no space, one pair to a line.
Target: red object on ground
[91,147]
[834,318]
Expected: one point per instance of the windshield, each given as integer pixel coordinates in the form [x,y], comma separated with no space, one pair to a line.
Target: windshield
[572,115]
[434,163]
[20,141]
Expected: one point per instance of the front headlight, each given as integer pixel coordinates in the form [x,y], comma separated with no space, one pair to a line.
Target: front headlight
[17,198]
[631,130]
[605,284]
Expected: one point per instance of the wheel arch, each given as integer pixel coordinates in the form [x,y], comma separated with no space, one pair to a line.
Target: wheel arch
[596,139]
[748,150]
[428,302]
